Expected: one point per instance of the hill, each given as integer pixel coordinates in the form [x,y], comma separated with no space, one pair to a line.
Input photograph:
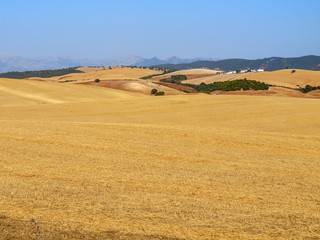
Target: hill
[287,78]
[269,64]
[79,161]
[40,73]
[15,92]
[115,73]
[117,165]
[10,62]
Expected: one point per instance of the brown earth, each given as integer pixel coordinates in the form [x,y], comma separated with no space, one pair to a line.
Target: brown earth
[139,86]
[178,87]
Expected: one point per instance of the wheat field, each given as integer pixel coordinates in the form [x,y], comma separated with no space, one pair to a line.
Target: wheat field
[82,162]
[285,78]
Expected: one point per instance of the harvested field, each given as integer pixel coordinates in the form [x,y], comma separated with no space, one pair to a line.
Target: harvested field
[116,73]
[101,163]
[178,87]
[138,86]
[195,71]
[287,78]
[91,69]
[15,92]
[217,78]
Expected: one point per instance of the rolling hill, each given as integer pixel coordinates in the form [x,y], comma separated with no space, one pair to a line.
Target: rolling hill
[85,162]
[285,78]
[117,165]
[269,64]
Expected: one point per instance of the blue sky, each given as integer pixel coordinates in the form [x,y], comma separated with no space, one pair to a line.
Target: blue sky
[189,28]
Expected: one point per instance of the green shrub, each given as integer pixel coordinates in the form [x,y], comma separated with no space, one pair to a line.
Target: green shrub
[174,79]
[178,77]
[154,91]
[235,85]
[161,93]
[308,88]
[97,80]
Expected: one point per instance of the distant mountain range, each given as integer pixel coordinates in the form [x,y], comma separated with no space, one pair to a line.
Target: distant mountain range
[10,62]
[269,64]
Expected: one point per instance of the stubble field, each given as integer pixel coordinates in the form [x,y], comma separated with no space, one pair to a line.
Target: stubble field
[119,165]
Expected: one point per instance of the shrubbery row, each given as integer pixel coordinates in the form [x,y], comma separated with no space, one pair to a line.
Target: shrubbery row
[308,88]
[235,85]
[174,79]
[42,73]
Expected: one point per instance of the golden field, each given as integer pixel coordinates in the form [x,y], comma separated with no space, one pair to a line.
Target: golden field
[288,79]
[115,73]
[86,162]
[283,78]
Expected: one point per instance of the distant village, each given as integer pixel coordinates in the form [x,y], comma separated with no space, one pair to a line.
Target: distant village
[241,71]
[245,71]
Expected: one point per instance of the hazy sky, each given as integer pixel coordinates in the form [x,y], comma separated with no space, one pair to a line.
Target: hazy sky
[186,28]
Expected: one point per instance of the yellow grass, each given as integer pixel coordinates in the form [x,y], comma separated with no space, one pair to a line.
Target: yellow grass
[138,167]
[217,78]
[116,73]
[288,79]
[15,92]
[279,78]
[194,71]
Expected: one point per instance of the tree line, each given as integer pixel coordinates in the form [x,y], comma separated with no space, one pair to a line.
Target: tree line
[234,85]
[41,73]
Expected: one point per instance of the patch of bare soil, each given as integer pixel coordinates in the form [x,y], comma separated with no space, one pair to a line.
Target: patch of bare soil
[138,86]
[178,87]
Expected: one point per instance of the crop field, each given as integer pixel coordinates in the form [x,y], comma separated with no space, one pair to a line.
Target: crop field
[86,162]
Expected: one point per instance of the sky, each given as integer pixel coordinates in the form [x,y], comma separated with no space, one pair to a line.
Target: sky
[185,28]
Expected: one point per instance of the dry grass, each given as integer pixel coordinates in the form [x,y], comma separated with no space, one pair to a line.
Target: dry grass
[217,78]
[194,71]
[138,167]
[279,78]
[139,86]
[116,73]
[28,92]
[288,79]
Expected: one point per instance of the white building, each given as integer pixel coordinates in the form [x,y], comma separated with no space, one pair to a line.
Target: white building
[260,70]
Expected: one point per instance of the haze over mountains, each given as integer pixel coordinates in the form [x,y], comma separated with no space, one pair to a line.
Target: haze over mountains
[9,62]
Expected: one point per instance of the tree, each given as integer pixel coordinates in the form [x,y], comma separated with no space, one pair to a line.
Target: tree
[154,91]
[97,80]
